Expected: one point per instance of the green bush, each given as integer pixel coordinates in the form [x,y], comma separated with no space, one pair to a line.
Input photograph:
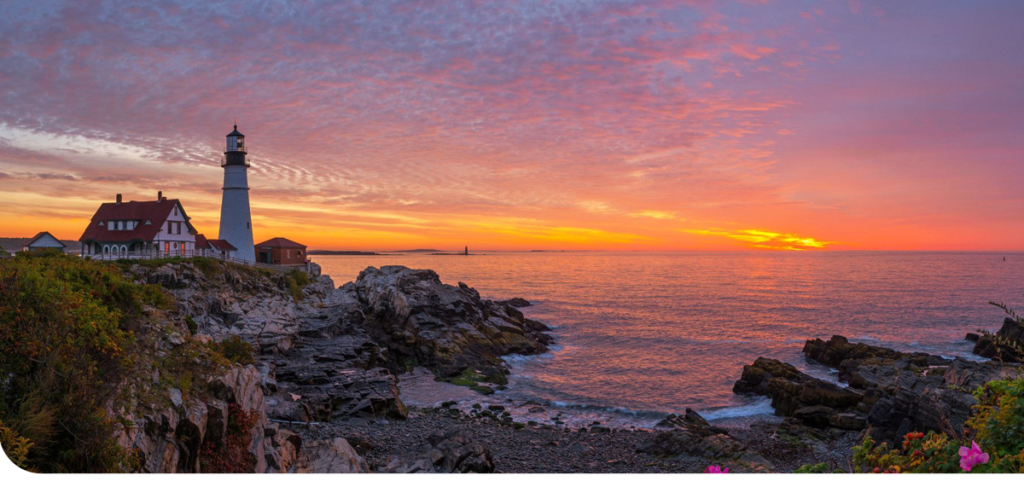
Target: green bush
[235,349]
[15,446]
[997,425]
[295,281]
[301,277]
[193,327]
[66,341]
[815,468]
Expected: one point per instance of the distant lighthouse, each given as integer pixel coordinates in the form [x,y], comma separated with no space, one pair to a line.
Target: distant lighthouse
[235,217]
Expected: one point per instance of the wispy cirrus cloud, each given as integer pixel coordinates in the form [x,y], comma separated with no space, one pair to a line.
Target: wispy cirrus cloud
[608,115]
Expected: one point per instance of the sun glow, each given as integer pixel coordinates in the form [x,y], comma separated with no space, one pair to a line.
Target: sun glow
[762,239]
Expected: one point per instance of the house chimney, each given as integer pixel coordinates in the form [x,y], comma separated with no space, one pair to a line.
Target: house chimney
[159,196]
[119,198]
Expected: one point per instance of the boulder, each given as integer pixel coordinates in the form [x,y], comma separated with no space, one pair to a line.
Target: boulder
[331,456]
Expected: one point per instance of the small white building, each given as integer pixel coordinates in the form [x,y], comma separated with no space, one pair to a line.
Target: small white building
[139,229]
[43,240]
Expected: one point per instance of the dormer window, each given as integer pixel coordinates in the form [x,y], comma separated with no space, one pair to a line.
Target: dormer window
[148,222]
[100,223]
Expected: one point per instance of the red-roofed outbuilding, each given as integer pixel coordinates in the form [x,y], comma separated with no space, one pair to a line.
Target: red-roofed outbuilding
[281,251]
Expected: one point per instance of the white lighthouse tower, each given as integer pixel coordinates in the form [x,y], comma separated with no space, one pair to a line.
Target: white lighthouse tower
[235,217]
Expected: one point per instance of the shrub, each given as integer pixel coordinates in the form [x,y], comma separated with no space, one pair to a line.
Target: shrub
[16,447]
[232,455]
[997,424]
[235,349]
[193,327]
[295,281]
[301,277]
[815,468]
[66,338]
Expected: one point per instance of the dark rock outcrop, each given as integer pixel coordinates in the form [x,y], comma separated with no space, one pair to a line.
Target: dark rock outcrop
[451,452]
[794,393]
[890,393]
[443,327]
[694,438]
[1005,345]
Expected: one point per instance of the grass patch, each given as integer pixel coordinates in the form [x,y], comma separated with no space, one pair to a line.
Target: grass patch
[296,280]
[235,350]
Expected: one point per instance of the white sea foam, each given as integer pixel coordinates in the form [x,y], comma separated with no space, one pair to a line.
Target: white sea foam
[761,407]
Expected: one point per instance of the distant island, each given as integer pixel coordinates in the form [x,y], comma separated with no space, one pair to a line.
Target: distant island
[414,251]
[341,252]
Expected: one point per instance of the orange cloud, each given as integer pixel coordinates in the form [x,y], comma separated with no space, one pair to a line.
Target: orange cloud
[761,239]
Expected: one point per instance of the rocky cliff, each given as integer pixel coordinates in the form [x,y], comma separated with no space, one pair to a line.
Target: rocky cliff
[331,355]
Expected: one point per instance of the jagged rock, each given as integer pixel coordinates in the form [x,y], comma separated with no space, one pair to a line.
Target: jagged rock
[689,419]
[445,328]
[698,443]
[451,452]
[516,303]
[170,439]
[328,356]
[997,346]
[331,456]
[790,389]
[890,393]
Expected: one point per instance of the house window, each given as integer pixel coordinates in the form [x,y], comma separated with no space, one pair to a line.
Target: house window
[167,247]
[175,211]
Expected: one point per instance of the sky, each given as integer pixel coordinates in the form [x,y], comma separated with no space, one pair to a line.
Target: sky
[520,125]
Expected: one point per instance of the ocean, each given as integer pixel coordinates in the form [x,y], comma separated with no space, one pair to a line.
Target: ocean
[640,335]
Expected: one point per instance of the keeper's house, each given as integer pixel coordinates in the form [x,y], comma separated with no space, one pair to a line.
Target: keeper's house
[139,229]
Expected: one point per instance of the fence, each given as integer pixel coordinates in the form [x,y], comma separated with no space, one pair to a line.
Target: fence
[213,254]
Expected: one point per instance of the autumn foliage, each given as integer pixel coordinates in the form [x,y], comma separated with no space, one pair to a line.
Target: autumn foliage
[66,340]
[232,455]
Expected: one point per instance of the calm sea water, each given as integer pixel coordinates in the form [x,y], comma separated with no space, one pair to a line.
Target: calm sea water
[644,334]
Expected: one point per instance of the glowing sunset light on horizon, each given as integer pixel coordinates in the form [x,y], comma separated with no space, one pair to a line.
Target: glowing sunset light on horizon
[520,125]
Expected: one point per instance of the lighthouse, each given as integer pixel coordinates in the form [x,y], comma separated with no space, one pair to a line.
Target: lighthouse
[235,217]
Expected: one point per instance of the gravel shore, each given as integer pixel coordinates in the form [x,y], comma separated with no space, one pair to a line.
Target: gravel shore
[541,448]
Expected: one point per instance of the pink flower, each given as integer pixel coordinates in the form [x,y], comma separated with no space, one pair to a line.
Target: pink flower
[969,457]
[717,469]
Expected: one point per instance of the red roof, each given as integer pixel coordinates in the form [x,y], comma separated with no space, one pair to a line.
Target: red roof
[221,245]
[155,212]
[201,242]
[281,243]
